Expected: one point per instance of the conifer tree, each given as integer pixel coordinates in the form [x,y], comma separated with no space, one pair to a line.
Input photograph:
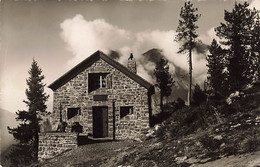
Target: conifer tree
[27,131]
[164,80]
[238,35]
[186,32]
[216,65]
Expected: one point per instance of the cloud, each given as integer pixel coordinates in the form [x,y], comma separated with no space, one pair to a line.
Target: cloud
[84,37]
[255,4]
[209,36]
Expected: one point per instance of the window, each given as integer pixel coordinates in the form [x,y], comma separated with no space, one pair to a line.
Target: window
[96,81]
[125,111]
[102,81]
[72,112]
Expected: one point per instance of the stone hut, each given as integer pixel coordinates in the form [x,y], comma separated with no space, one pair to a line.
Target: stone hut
[106,98]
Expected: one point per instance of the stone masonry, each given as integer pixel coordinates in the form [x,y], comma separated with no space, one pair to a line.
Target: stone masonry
[125,98]
[124,92]
[131,64]
[53,144]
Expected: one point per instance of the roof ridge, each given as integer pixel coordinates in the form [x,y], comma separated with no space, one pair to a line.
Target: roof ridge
[89,61]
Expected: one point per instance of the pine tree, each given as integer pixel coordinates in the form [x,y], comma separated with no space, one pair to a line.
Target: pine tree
[27,131]
[216,66]
[237,34]
[186,32]
[164,80]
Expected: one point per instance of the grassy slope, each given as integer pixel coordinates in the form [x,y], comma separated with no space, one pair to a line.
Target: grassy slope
[149,153]
[229,136]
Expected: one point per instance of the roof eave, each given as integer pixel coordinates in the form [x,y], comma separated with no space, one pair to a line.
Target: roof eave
[74,71]
[88,62]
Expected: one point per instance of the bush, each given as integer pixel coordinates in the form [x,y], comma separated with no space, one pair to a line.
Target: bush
[227,110]
[210,143]
[231,149]
[188,120]
[251,140]
[182,122]
[199,96]
[250,144]
[177,104]
[248,103]
[169,108]
[159,118]
[216,100]
[19,155]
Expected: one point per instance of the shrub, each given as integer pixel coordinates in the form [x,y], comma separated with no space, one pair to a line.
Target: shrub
[199,96]
[231,149]
[160,117]
[251,140]
[19,155]
[169,108]
[248,103]
[177,104]
[216,100]
[210,143]
[250,144]
[188,120]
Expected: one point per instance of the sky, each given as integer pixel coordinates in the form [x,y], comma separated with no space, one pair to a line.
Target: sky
[60,34]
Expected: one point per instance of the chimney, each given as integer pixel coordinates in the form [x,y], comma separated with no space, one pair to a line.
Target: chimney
[131,65]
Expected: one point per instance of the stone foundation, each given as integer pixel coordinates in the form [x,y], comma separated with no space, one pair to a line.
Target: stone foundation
[53,144]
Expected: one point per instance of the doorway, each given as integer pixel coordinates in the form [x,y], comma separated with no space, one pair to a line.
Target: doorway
[100,121]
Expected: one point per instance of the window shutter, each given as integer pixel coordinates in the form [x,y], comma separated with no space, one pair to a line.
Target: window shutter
[109,81]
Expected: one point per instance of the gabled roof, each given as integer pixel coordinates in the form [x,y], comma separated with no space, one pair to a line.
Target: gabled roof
[89,61]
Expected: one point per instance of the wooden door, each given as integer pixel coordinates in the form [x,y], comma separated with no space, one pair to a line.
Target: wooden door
[100,121]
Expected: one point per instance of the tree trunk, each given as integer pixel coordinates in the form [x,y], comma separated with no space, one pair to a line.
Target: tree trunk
[190,93]
[161,104]
[36,145]
[190,72]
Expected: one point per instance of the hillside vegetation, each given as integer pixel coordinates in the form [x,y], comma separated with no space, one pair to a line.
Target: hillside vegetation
[226,135]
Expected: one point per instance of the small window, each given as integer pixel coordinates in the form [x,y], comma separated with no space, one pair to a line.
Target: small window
[125,111]
[72,112]
[96,81]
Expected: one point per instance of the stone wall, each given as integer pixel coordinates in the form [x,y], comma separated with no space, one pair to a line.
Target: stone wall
[53,144]
[124,92]
[131,64]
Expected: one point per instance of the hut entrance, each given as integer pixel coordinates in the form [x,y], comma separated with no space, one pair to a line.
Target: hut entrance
[100,121]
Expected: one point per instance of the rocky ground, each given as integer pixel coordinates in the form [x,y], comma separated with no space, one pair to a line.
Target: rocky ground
[243,160]
[147,154]
[232,144]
